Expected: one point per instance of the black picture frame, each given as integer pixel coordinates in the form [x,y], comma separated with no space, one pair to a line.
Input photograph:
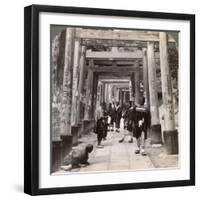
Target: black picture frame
[31,98]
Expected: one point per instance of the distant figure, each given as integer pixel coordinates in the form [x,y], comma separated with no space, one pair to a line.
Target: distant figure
[99,112]
[111,113]
[127,117]
[101,131]
[123,118]
[131,117]
[142,120]
[105,122]
[104,106]
[78,156]
[100,125]
[118,115]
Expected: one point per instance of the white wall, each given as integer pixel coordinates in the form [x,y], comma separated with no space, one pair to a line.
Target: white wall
[11,100]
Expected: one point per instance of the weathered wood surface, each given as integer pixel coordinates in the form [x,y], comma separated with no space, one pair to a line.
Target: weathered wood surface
[166,84]
[119,63]
[114,81]
[67,83]
[113,69]
[75,83]
[131,90]
[121,58]
[145,79]
[137,83]
[126,35]
[81,81]
[113,43]
[89,85]
[113,55]
[152,84]
[119,85]
[113,77]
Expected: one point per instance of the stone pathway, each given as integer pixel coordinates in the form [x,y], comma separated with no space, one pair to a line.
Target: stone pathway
[116,156]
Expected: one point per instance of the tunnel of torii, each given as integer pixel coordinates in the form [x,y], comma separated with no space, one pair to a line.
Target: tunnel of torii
[123,68]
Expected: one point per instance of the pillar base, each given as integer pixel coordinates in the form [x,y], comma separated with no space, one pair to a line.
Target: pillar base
[74,135]
[155,134]
[79,130]
[86,123]
[66,146]
[56,155]
[171,141]
[88,126]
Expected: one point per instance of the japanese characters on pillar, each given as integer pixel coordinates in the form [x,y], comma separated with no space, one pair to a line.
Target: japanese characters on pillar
[133,84]
[94,95]
[130,91]
[80,84]
[155,123]
[137,82]
[89,85]
[170,132]
[145,79]
[74,119]
[67,83]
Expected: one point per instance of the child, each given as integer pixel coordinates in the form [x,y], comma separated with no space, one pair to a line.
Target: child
[78,156]
[100,130]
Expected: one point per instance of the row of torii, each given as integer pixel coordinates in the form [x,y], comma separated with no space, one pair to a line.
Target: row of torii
[78,39]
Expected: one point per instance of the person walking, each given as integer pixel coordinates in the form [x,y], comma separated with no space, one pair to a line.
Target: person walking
[105,121]
[99,129]
[128,122]
[142,121]
[127,116]
[118,115]
[111,113]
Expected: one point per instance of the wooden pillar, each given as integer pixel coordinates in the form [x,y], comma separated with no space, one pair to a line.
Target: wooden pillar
[114,92]
[89,85]
[133,85]
[110,93]
[107,98]
[75,83]
[155,130]
[81,81]
[65,127]
[106,93]
[67,83]
[145,79]
[121,95]
[130,91]
[146,86]
[114,49]
[103,92]
[117,93]
[98,94]
[170,132]
[94,94]
[124,97]
[137,83]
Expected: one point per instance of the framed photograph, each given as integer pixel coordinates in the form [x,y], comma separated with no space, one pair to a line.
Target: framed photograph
[109,99]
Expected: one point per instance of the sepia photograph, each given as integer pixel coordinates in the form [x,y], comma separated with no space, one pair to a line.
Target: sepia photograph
[114,99]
